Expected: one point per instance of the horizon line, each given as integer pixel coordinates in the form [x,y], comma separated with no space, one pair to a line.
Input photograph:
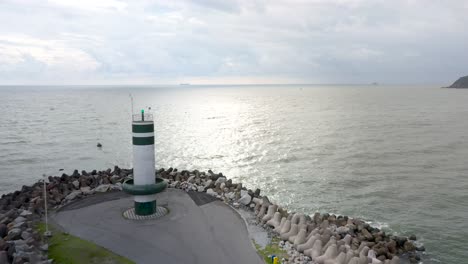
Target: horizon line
[211,84]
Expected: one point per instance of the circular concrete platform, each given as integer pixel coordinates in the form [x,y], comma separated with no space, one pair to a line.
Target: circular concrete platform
[160,212]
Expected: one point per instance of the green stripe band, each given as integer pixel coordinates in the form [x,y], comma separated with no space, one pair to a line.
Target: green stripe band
[146,208]
[145,189]
[143,128]
[143,140]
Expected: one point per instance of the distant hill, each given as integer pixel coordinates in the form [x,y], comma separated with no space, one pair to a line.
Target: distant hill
[460,83]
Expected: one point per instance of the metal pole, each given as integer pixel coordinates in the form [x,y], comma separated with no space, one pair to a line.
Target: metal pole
[47,233]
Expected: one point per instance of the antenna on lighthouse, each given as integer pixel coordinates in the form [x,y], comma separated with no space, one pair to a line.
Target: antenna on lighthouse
[131,103]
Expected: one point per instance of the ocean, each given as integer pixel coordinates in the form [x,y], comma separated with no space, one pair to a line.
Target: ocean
[396,156]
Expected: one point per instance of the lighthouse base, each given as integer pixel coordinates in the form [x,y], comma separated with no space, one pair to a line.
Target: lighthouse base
[145,208]
[159,212]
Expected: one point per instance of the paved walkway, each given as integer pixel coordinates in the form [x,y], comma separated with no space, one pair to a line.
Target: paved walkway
[209,233]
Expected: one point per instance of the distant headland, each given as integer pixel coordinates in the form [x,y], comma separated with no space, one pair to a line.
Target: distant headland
[462,82]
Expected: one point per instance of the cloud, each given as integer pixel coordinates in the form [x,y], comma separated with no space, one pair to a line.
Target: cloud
[91,5]
[114,41]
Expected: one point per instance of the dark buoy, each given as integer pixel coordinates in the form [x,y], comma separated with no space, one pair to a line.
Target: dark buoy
[99,145]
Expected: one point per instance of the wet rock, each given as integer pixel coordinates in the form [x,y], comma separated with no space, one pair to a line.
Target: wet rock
[256,193]
[44,247]
[14,234]
[73,195]
[400,241]
[25,235]
[220,180]
[412,237]
[191,179]
[102,188]
[86,190]
[3,230]
[409,246]
[115,179]
[392,246]
[421,248]
[211,192]
[368,236]
[245,200]
[209,184]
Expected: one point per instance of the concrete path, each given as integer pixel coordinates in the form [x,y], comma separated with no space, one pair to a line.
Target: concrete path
[210,233]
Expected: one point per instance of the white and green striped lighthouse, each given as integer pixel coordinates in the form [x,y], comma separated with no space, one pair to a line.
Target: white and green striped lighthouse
[144,184]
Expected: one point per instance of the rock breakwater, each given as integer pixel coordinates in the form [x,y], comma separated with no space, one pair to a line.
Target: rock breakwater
[20,211]
[318,238]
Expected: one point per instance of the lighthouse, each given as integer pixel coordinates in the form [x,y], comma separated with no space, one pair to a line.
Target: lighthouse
[144,186]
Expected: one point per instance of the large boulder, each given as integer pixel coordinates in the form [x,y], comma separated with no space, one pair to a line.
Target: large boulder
[73,195]
[14,234]
[102,188]
[245,200]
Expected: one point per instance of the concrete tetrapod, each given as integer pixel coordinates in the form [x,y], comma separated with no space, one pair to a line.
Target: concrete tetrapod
[342,248]
[278,228]
[395,260]
[302,219]
[295,218]
[311,226]
[262,211]
[309,244]
[315,251]
[345,241]
[349,256]
[275,221]
[326,236]
[332,241]
[257,207]
[293,237]
[340,259]
[372,258]
[271,211]
[330,253]
[363,260]
[292,232]
[361,247]
[316,218]
[312,233]
[324,224]
[354,260]
[286,227]
[302,226]
[300,237]
[364,251]
[257,201]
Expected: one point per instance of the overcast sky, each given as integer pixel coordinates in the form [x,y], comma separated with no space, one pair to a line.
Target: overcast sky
[223,41]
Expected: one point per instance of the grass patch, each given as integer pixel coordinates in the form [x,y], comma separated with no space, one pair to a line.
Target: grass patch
[67,249]
[271,249]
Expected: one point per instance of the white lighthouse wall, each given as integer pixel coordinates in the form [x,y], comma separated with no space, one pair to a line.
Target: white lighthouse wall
[144,198]
[143,164]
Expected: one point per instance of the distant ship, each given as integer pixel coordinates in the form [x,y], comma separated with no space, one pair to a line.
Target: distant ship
[184,83]
[375,83]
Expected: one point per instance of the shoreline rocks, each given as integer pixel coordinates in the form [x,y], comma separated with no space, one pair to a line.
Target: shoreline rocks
[318,238]
[21,210]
